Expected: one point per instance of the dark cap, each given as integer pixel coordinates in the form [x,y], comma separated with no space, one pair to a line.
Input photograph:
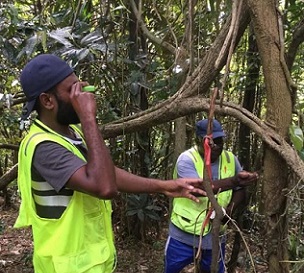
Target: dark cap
[202,125]
[39,75]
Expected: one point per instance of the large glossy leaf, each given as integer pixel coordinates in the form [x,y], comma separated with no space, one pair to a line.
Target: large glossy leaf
[31,44]
[93,37]
[100,47]
[62,35]
[82,53]
[29,48]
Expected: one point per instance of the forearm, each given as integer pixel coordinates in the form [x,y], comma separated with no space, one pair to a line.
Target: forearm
[224,184]
[242,179]
[187,187]
[130,183]
[97,177]
[237,199]
[99,166]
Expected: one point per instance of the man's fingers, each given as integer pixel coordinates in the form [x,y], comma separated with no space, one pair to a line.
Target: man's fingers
[193,197]
[198,192]
[253,176]
[194,181]
[244,174]
[193,189]
[245,180]
[247,175]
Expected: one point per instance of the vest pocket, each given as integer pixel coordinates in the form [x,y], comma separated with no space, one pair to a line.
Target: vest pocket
[92,259]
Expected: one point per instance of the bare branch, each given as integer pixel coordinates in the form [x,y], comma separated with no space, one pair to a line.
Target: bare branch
[236,10]
[185,106]
[289,80]
[149,35]
[8,177]
[9,146]
[202,77]
[297,39]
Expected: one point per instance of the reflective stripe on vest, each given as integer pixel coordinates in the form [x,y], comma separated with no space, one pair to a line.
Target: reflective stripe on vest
[189,215]
[81,241]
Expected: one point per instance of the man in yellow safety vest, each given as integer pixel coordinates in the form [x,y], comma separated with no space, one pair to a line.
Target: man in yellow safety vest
[187,217]
[66,175]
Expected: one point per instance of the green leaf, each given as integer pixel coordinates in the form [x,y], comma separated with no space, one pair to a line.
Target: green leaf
[141,215]
[99,47]
[296,136]
[131,212]
[154,207]
[152,215]
[31,44]
[62,36]
[43,37]
[93,37]
[82,53]
[301,154]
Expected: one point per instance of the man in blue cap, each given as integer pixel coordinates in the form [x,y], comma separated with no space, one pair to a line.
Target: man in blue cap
[66,175]
[187,217]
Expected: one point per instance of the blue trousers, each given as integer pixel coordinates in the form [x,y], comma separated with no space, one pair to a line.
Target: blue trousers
[178,255]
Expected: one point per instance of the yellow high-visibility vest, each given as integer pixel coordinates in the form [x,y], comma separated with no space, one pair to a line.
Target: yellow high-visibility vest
[189,215]
[81,240]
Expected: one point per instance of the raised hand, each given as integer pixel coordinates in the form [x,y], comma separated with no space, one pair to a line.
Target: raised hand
[83,102]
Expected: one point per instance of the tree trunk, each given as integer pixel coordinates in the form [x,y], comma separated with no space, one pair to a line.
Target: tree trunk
[139,101]
[264,17]
[245,145]
[180,137]
[252,78]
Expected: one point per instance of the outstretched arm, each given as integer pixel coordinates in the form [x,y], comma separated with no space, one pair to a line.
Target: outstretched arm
[242,179]
[186,168]
[130,183]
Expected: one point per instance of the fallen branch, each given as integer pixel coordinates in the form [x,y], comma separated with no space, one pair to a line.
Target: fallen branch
[8,177]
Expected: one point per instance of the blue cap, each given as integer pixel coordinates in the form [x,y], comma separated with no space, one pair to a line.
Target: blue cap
[39,75]
[202,125]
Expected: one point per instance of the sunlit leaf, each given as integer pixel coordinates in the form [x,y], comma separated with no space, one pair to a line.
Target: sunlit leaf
[82,53]
[93,37]
[99,47]
[43,38]
[119,8]
[62,36]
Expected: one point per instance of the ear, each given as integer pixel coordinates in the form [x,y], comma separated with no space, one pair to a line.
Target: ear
[47,101]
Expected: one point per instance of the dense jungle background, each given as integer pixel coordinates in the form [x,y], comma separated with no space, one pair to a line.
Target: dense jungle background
[157,66]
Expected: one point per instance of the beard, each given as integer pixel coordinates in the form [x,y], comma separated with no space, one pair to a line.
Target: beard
[66,114]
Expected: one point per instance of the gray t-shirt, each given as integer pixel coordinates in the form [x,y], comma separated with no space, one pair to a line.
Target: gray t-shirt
[186,169]
[52,167]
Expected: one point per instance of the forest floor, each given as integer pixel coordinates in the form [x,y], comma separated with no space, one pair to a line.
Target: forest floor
[133,255]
